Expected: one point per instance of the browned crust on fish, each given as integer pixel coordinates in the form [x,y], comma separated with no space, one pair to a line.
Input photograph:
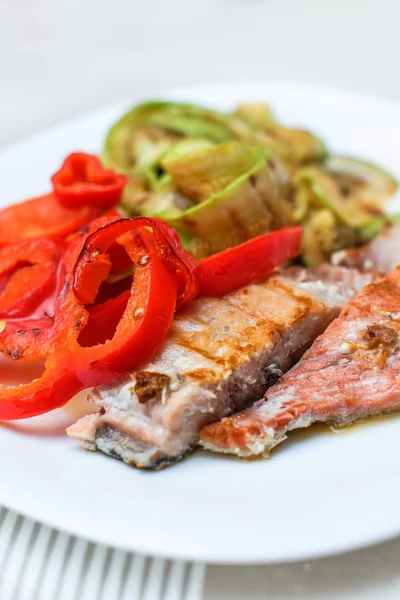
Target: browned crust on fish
[149,385]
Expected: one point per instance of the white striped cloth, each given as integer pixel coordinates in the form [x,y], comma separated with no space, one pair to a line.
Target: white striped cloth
[39,563]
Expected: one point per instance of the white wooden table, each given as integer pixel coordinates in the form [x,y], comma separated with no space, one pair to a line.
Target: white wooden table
[59,58]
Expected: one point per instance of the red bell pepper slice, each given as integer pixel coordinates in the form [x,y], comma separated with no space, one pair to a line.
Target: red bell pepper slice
[103,320]
[251,261]
[161,271]
[42,217]
[32,336]
[27,275]
[71,367]
[94,264]
[184,264]
[82,181]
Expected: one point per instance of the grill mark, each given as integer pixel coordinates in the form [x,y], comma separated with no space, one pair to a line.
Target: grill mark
[201,374]
[284,291]
[243,310]
[299,312]
[237,309]
[249,313]
[200,352]
[184,317]
[228,303]
[303,306]
[234,357]
[272,333]
[236,350]
[290,290]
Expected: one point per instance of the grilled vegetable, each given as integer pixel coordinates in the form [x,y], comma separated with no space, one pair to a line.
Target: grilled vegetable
[371,184]
[257,113]
[202,174]
[237,193]
[322,236]
[338,209]
[296,146]
[138,141]
[136,144]
[324,190]
[221,179]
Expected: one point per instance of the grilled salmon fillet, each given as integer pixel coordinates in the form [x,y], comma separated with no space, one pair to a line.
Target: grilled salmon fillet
[219,356]
[351,371]
[382,255]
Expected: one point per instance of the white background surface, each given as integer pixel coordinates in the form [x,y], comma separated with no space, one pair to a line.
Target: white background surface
[58,59]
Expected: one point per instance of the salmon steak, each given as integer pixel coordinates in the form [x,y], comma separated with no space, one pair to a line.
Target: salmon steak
[352,371]
[220,355]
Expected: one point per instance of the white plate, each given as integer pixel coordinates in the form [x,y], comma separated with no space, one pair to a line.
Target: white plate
[319,494]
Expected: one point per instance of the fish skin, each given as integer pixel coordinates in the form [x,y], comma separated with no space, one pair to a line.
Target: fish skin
[352,371]
[220,355]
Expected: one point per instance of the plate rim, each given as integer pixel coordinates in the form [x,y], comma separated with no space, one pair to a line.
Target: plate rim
[181,89]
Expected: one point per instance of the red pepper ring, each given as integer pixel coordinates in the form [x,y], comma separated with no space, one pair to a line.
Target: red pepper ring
[94,264]
[32,336]
[185,265]
[27,274]
[103,320]
[82,181]
[70,368]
